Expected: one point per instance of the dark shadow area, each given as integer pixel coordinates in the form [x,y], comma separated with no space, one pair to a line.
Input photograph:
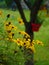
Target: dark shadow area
[4,5]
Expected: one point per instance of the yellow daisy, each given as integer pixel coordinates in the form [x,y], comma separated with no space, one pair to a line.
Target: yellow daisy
[32,48]
[20,21]
[19,42]
[24,33]
[39,42]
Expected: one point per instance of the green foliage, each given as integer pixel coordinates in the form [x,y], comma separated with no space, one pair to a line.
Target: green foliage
[31,1]
[8,2]
[7,49]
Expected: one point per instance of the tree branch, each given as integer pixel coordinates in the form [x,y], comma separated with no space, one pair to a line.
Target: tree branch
[34,10]
[28,4]
[21,11]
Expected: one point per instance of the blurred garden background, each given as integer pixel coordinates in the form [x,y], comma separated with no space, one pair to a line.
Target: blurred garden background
[10,52]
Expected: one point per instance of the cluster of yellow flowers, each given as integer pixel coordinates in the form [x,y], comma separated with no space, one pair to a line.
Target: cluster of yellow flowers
[21,42]
[25,42]
[9,27]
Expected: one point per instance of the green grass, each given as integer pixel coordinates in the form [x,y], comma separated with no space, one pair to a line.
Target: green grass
[41,56]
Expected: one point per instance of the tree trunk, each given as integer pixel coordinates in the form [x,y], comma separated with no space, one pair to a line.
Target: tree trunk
[34,11]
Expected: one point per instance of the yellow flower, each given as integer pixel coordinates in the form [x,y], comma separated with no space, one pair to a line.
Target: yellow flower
[14,40]
[33,42]
[27,35]
[32,48]
[39,42]
[19,42]
[24,33]
[14,27]
[20,21]
[21,32]
[27,44]
[29,40]
[9,26]
[9,39]
[10,35]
